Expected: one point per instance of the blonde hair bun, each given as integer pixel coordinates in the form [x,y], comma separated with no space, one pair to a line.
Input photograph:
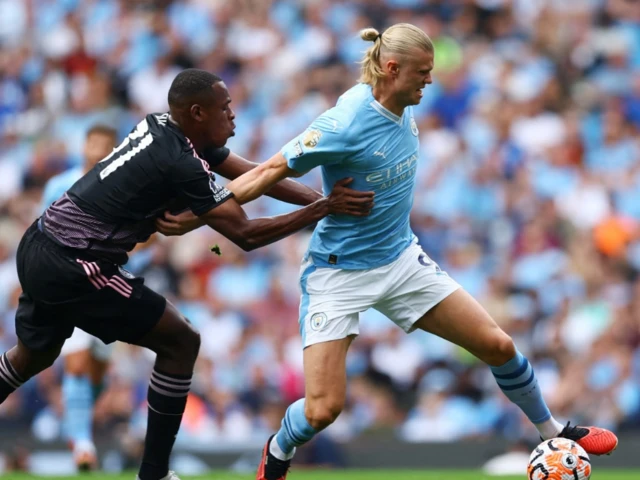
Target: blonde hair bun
[369,34]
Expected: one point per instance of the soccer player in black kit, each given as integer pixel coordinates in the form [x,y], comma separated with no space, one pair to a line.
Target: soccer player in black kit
[69,261]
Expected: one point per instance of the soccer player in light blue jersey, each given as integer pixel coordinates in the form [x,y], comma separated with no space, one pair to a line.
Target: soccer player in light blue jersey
[85,357]
[354,264]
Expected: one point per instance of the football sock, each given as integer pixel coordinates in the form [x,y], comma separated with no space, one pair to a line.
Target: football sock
[77,399]
[295,431]
[276,451]
[9,378]
[167,398]
[519,383]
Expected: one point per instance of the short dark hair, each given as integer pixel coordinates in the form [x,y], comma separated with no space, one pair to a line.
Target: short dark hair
[190,83]
[103,130]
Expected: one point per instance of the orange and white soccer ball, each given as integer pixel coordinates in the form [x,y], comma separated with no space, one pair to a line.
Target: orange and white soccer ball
[559,459]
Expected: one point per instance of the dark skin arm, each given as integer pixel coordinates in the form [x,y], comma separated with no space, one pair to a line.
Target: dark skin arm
[286,190]
[230,219]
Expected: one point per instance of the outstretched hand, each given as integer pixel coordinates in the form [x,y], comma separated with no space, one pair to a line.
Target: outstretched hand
[172,225]
[345,201]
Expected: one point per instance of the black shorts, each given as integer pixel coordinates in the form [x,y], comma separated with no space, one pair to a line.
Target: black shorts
[63,288]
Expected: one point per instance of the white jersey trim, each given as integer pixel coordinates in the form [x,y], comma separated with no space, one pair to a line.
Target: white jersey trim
[377,106]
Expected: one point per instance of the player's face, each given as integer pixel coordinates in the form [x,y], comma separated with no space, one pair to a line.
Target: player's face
[219,122]
[96,147]
[414,73]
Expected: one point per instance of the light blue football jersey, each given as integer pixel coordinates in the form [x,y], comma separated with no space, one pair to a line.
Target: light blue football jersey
[56,186]
[360,138]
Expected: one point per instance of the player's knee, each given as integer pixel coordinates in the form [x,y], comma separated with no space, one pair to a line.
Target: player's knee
[29,362]
[502,349]
[322,413]
[189,344]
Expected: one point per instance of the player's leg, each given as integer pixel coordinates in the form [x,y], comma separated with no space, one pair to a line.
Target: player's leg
[122,308]
[142,317]
[329,314]
[460,319]
[176,344]
[325,394]
[452,314]
[41,334]
[20,363]
[78,397]
[40,327]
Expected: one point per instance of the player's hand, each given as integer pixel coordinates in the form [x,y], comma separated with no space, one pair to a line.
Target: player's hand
[171,225]
[345,201]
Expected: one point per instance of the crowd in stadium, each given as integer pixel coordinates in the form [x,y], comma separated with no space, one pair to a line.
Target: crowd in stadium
[528,195]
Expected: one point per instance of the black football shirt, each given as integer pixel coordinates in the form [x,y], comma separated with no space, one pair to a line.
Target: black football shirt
[114,206]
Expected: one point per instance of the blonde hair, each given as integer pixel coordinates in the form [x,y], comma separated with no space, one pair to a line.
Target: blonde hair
[400,38]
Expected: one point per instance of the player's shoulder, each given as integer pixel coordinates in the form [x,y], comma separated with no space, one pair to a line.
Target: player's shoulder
[353,103]
[347,114]
[165,136]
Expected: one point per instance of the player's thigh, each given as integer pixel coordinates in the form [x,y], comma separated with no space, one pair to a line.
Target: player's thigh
[416,284]
[49,282]
[460,319]
[173,338]
[331,302]
[120,306]
[326,377]
[40,328]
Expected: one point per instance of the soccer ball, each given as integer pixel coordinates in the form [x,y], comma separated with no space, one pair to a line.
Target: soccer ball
[559,459]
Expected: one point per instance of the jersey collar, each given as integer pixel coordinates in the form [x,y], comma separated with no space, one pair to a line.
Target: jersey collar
[377,106]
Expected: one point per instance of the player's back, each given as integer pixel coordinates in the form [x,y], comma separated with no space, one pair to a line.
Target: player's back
[361,139]
[114,206]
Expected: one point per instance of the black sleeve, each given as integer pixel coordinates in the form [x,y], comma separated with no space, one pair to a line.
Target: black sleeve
[196,186]
[215,156]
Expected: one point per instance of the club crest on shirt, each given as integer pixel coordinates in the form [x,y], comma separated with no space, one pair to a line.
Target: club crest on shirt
[414,127]
[318,321]
[311,138]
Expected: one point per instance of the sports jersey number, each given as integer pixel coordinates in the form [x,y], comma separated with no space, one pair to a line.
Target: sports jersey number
[141,131]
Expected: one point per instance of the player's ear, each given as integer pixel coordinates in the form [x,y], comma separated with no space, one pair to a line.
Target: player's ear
[196,112]
[393,68]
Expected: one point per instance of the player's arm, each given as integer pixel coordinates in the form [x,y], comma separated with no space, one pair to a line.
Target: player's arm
[261,179]
[325,142]
[286,190]
[249,186]
[192,182]
[342,200]
[230,219]
[245,187]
